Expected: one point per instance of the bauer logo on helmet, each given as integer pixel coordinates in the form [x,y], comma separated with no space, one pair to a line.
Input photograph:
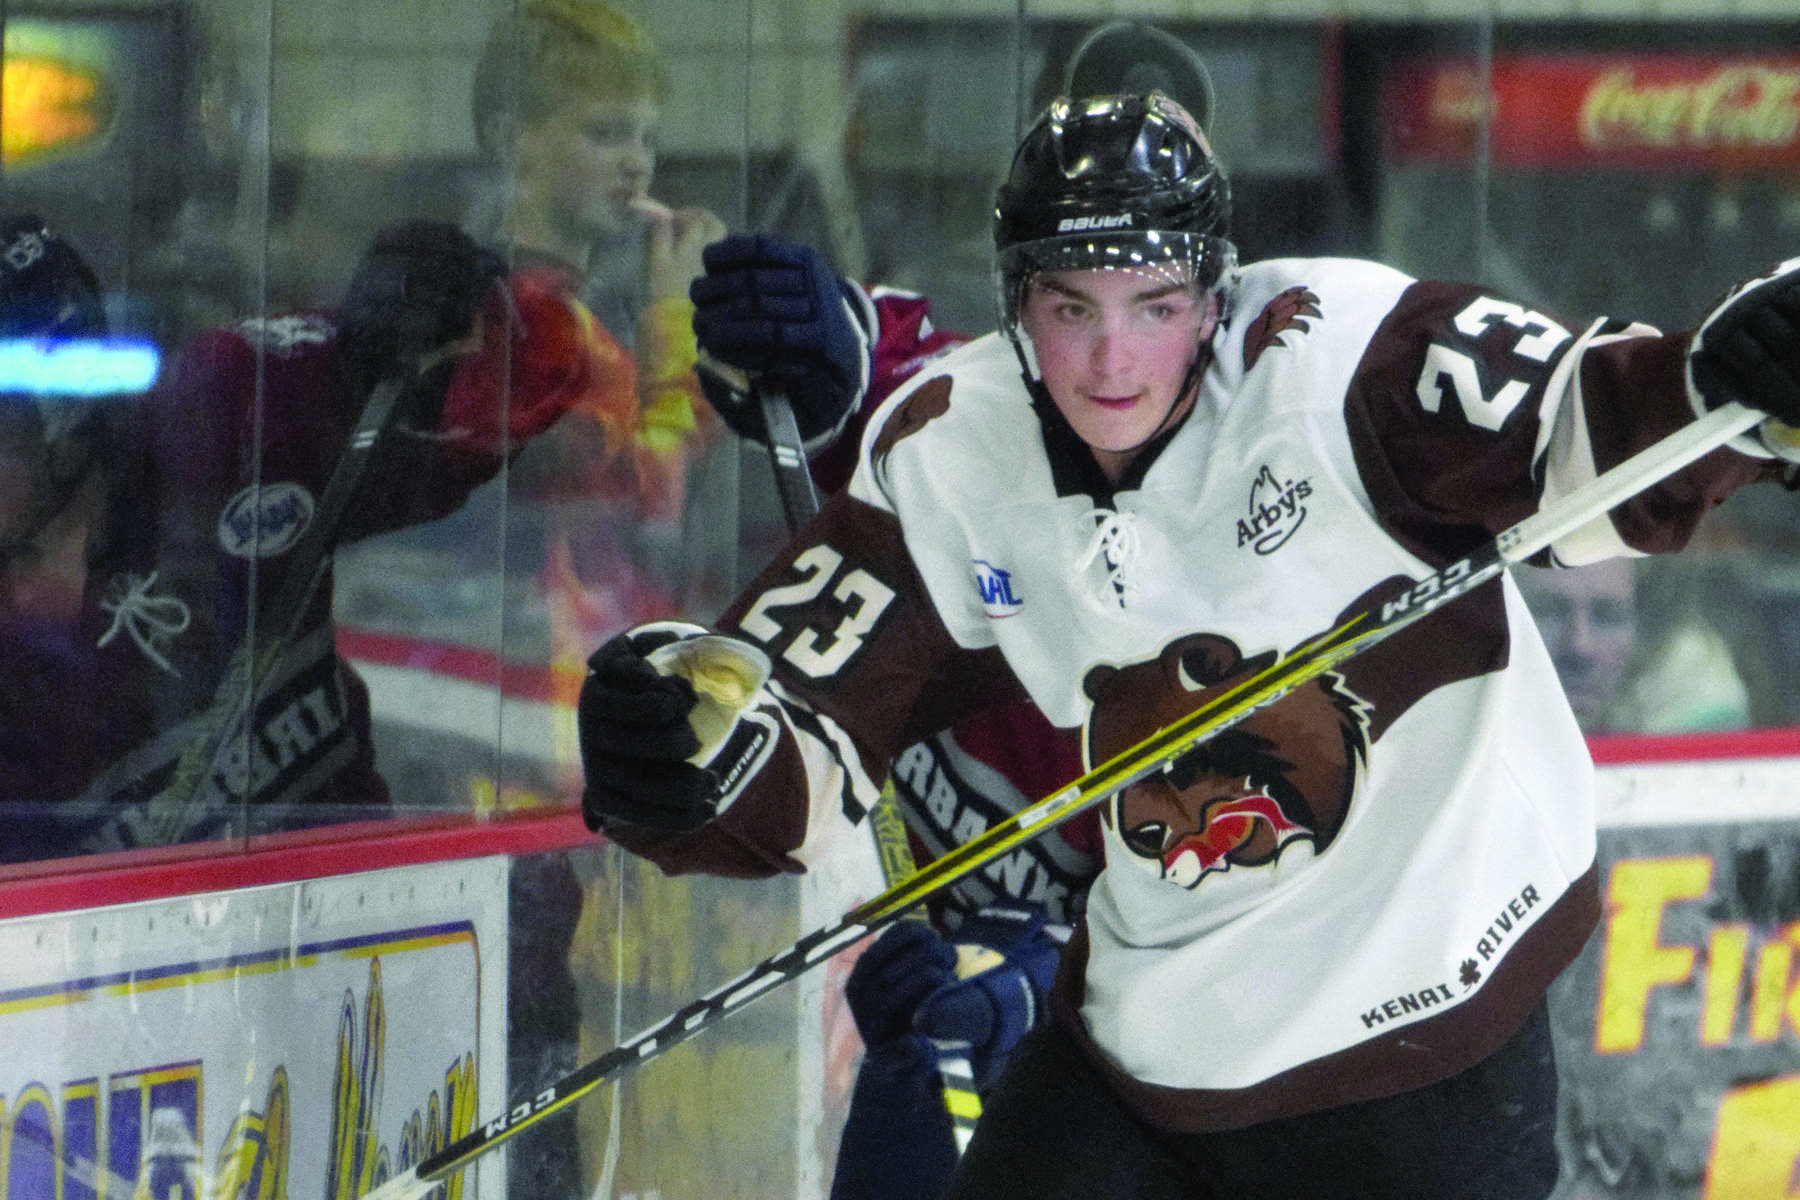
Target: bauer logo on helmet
[1081,224]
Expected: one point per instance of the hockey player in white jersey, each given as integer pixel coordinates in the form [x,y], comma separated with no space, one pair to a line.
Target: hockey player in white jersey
[1316,959]
[777,309]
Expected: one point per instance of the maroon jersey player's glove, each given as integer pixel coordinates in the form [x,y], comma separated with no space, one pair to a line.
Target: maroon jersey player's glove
[635,742]
[415,290]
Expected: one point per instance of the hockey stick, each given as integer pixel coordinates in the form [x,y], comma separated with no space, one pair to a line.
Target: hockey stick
[800,501]
[1156,752]
[956,1071]
[260,649]
[787,453]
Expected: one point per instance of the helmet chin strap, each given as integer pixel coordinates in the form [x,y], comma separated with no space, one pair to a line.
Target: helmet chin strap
[1189,381]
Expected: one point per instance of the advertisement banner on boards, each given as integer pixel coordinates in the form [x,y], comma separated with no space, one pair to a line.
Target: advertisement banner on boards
[304,1039]
[1678,1027]
[1643,110]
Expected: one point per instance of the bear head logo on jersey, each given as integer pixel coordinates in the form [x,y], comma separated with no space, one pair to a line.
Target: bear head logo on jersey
[1287,773]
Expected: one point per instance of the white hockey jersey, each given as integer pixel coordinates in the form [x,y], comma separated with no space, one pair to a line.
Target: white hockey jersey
[1365,887]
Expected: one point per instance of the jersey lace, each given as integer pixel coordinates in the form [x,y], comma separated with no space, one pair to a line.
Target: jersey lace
[1114,543]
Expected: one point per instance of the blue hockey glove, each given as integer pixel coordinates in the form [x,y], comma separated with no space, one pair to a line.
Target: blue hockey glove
[638,745]
[773,307]
[1748,348]
[1006,961]
[908,962]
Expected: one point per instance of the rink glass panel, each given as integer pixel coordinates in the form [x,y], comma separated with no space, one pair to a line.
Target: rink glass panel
[229,162]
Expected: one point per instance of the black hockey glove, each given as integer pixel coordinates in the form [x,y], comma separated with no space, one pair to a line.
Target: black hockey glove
[638,744]
[416,289]
[1748,348]
[773,307]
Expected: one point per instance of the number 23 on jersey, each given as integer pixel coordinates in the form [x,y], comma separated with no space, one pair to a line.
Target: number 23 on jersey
[861,598]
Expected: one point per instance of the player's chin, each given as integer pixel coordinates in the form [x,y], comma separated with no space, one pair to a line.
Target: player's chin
[1119,430]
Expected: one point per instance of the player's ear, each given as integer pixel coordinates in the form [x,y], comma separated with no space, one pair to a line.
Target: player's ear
[1214,305]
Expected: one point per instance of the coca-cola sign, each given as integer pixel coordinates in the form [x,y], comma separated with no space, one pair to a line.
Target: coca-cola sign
[1642,110]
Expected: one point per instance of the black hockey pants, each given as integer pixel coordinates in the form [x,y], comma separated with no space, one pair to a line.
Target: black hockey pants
[1053,1130]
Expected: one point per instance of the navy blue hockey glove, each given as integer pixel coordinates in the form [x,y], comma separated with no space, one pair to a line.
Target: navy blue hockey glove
[983,991]
[907,963]
[773,307]
[416,289]
[1748,348]
[1006,961]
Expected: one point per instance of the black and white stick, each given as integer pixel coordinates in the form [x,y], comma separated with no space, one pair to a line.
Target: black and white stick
[787,453]
[1154,753]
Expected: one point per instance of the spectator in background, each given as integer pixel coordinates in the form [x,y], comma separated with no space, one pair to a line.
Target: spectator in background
[566,100]
[1588,617]
[1624,674]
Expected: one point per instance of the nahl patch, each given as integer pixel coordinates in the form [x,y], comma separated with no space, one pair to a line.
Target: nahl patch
[996,587]
[1080,224]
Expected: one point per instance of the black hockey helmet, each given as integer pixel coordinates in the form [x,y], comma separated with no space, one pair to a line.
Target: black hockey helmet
[46,289]
[1112,182]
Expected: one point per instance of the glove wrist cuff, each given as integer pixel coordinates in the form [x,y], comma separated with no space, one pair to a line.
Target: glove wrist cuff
[863,321]
[743,753]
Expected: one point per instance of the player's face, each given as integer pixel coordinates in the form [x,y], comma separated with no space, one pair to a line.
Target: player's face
[593,159]
[1113,347]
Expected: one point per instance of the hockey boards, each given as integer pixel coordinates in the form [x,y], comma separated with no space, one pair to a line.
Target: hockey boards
[1155,753]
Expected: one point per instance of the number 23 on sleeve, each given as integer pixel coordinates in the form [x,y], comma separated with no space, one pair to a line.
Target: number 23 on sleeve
[820,655]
